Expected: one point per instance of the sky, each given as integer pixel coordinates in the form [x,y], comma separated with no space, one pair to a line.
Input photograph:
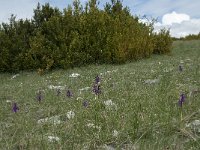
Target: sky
[181,17]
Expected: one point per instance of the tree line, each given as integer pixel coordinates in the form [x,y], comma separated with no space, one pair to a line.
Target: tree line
[76,36]
[189,37]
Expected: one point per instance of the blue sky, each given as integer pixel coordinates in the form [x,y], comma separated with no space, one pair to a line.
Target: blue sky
[182,17]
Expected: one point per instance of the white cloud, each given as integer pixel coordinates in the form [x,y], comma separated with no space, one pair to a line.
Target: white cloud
[180,25]
[169,19]
[155,8]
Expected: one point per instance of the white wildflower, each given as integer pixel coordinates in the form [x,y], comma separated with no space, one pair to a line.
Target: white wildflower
[70,115]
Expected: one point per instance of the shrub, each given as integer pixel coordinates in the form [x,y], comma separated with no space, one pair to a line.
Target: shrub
[78,36]
[163,42]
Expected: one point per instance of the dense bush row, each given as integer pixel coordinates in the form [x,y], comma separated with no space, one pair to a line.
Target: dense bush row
[191,37]
[76,36]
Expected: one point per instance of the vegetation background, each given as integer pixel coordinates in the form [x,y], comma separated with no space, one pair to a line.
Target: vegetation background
[149,104]
[76,36]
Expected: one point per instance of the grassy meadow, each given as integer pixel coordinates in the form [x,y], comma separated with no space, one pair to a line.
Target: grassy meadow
[137,107]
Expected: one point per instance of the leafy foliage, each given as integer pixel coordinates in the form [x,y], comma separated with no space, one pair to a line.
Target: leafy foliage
[78,36]
[189,37]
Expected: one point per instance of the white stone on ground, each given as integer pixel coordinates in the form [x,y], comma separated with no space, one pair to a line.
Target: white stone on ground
[13,77]
[110,105]
[152,81]
[91,125]
[53,120]
[74,75]
[115,133]
[194,125]
[52,87]
[53,138]
[70,115]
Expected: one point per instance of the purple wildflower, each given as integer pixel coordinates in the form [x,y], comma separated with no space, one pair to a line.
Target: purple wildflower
[96,89]
[180,68]
[39,96]
[69,93]
[85,103]
[97,79]
[15,107]
[181,100]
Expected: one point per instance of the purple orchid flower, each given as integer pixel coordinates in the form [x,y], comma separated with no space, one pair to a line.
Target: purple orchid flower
[15,107]
[69,93]
[96,89]
[181,100]
[97,79]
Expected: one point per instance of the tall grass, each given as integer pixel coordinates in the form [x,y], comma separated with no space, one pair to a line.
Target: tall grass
[143,112]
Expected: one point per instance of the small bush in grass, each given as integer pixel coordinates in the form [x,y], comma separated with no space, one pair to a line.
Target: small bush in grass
[163,42]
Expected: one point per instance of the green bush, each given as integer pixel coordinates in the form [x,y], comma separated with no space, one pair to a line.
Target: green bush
[163,42]
[78,36]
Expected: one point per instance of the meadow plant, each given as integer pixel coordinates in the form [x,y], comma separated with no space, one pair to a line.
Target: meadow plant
[145,117]
[85,104]
[15,108]
[96,89]
[58,92]
[181,100]
[180,68]
[39,96]
[180,103]
[96,86]
[97,79]
[69,93]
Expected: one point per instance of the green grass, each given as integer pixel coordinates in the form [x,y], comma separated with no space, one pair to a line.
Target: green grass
[146,116]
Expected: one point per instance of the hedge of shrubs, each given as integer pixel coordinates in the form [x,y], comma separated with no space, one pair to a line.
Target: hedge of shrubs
[77,36]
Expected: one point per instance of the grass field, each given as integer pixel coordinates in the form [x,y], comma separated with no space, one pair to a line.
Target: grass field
[136,109]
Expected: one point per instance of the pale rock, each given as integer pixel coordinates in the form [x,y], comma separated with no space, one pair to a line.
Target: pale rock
[74,75]
[53,120]
[13,77]
[70,115]
[53,138]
